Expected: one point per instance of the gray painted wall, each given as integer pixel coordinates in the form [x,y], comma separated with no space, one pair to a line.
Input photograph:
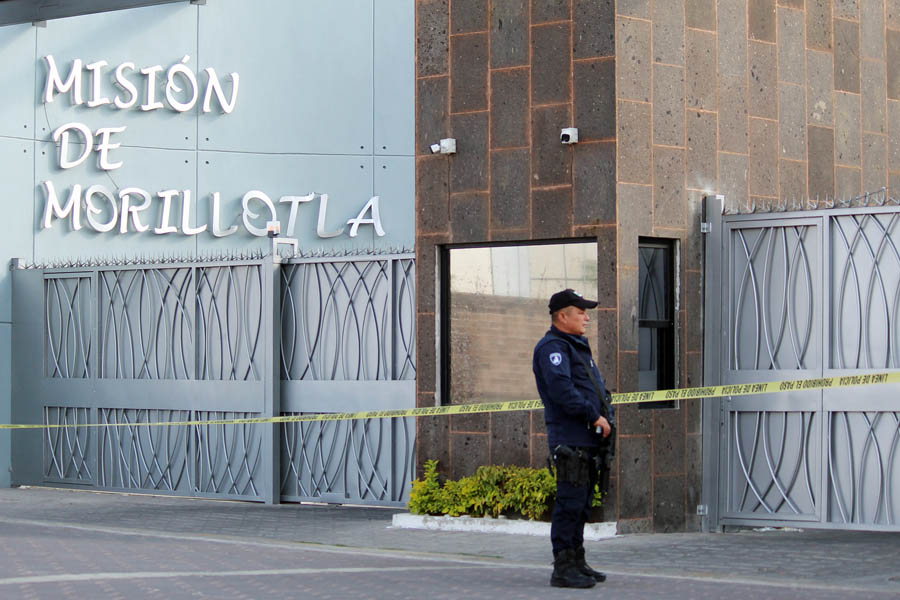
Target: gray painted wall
[325,105]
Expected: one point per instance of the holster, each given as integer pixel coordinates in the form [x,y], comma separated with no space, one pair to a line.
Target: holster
[573,465]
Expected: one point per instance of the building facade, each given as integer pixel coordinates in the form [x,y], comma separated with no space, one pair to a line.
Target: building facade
[777,106]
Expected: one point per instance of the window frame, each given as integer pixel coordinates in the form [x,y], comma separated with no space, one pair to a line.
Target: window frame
[667,368]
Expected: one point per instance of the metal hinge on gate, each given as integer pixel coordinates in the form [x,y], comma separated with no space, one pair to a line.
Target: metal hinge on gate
[702,510]
[705,227]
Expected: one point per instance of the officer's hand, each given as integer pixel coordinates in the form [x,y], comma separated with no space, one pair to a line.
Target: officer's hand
[603,424]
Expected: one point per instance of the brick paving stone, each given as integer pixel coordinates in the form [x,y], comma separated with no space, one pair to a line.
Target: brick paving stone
[86,545]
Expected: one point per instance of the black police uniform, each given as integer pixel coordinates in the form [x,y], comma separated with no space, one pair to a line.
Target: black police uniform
[571,407]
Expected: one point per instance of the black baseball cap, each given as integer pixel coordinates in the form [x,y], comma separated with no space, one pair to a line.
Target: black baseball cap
[569,297]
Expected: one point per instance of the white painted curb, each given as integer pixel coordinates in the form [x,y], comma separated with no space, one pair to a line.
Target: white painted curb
[592,531]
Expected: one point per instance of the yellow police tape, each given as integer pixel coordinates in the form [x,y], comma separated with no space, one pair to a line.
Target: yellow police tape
[717,391]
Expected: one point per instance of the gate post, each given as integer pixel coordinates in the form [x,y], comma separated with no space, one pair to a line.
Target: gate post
[713,346]
[271,437]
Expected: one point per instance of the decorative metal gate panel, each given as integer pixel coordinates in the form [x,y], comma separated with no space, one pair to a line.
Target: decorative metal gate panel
[348,344]
[800,295]
[136,344]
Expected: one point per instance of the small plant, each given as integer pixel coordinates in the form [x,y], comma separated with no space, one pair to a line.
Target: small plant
[491,491]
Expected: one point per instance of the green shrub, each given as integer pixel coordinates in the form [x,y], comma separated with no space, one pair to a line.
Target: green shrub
[491,491]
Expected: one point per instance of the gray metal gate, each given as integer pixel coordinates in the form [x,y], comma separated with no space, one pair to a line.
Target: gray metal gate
[796,295]
[133,344]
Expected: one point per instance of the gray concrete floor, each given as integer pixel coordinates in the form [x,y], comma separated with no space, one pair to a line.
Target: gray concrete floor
[60,543]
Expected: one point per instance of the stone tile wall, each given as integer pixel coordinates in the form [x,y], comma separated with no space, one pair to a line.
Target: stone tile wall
[766,101]
[503,77]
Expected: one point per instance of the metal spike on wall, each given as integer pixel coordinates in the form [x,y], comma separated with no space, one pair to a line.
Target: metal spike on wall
[752,205]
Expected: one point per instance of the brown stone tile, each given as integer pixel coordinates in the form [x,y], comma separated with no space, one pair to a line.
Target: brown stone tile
[874,95]
[700,69]
[595,184]
[763,158]
[510,438]
[511,235]
[432,37]
[510,188]
[543,11]
[791,3]
[634,477]
[432,192]
[792,135]
[433,119]
[791,180]
[668,504]
[605,352]
[426,250]
[847,9]
[474,423]
[467,16]
[469,63]
[821,161]
[668,187]
[820,87]
[892,13]
[632,420]
[733,114]
[469,166]
[551,213]
[633,142]
[634,210]
[846,55]
[763,66]
[633,8]
[469,217]
[791,67]
[847,182]
[761,17]
[668,32]
[894,185]
[628,366]
[633,60]
[668,105]
[873,161]
[595,27]
[551,63]
[693,309]
[893,66]
[818,24]
[468,451]
[509,33]
[628,311]
[432,439]
[732,28]
[426,361]
[701,150]
[871,29]
[700,14]
[551,161]
[509,108]
[846,129]
[632,526]
[607,283]
[893,108]
[668,442]
[693,472]
[733,173]
[595,99]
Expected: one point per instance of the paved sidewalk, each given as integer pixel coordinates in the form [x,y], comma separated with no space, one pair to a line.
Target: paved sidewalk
[60,542]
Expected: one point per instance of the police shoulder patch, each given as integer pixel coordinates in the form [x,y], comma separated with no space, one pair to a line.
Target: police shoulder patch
[555,358]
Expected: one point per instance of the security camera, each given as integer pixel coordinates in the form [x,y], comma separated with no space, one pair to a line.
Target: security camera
[569,135]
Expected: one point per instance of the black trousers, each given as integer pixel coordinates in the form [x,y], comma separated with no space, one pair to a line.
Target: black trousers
[571,511]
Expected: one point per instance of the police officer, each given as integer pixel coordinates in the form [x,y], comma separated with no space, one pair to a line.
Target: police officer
[579,420]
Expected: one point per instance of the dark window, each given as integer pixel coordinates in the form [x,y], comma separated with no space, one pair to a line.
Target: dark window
[656,318]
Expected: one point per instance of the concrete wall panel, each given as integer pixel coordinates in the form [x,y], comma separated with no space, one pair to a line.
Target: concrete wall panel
[17,158]
[16,80]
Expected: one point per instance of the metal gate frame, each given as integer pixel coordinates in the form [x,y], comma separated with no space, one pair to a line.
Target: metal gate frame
[836,502]
[141,342]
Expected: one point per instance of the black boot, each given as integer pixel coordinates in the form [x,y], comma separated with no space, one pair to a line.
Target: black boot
[566,572]
[585,569]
